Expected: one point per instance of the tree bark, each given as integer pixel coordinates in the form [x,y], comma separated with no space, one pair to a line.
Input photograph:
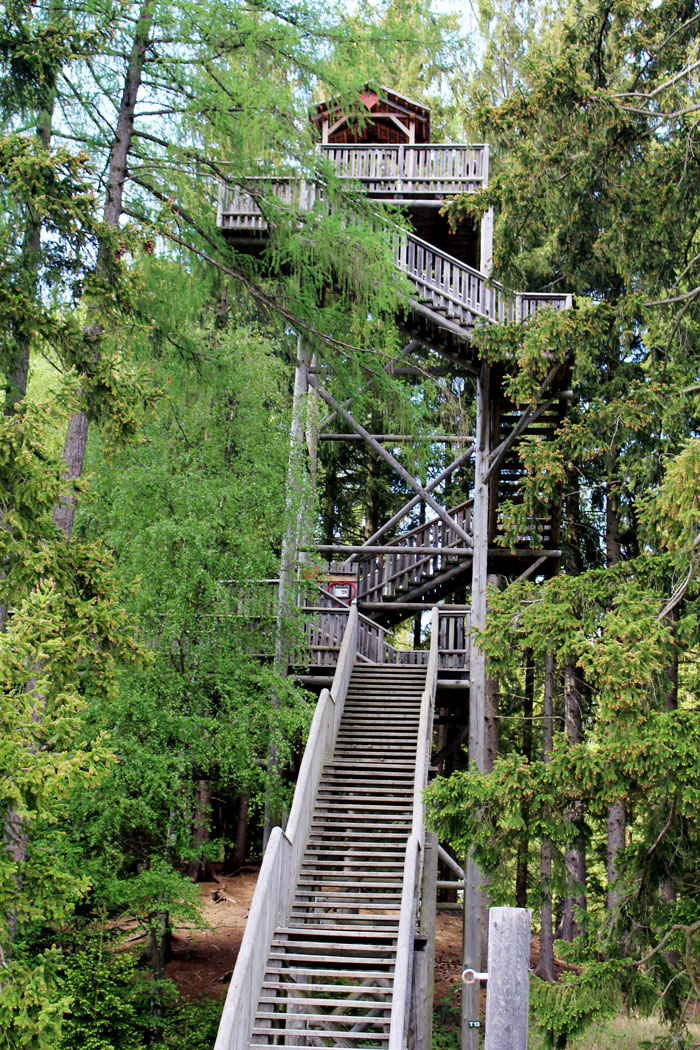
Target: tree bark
[77,432]
[15,832]
[574,856]
[523,845]
[200,868]
[18,368]
[159,946]
[545,966]
[240,844]
[617,815]
[667,884]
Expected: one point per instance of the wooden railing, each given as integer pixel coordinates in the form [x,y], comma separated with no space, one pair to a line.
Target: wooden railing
[245,207]
[324,629]
[462,294]
[327,626]
[433,170]
[444,285]
[383,576]
[274,892]
[415,848]
[453,640]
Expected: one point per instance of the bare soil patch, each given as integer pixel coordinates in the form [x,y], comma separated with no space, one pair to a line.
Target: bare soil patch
[203,958]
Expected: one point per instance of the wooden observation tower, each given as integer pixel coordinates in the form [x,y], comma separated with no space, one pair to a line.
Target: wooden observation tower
[338,948]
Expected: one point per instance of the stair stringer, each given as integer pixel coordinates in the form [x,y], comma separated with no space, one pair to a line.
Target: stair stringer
[274,891]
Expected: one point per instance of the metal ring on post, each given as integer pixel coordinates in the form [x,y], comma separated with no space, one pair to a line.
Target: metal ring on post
[470,976]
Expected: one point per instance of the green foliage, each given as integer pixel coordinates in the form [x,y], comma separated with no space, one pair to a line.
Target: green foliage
[110,1004]
[109,999]
[564,1009]
[33,1001]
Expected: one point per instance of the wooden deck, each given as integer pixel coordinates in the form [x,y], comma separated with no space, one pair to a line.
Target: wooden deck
[419,172]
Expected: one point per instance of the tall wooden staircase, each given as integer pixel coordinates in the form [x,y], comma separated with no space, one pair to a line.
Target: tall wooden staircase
[332,968]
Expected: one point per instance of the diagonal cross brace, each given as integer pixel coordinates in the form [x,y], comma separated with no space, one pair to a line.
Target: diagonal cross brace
[407,507]
[394,463]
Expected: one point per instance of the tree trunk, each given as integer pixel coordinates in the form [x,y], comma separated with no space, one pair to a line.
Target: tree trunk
[545,966]
[667,885]
[240,844]
[574,856]
[523,845]
[617,816]
[15,832]
[159,946]
[18,366]
[200,868]
[616,843]
[77,432]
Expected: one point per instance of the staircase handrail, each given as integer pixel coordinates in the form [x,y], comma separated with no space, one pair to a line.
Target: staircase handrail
[274,891]
[412,872]
[400,540]
[504,305]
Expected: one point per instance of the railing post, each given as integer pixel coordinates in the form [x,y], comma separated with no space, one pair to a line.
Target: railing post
[486,221]
[508,988]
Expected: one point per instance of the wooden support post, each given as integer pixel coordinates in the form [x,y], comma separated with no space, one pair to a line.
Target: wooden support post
[508,988]
[290,544]
[486,252]
[431,485]
[477,694]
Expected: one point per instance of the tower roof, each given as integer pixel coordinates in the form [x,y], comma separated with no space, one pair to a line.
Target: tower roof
[391,117]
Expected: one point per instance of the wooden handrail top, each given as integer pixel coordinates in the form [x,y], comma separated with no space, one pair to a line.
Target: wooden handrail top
[489,282]
[477,146]
[398,541]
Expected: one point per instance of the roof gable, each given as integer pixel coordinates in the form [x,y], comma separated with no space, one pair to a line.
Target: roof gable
[383,115]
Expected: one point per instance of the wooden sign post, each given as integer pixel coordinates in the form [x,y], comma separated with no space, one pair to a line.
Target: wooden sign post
[508,988]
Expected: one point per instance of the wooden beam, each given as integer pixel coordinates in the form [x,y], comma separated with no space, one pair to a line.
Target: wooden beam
[378,548]
[430,486]
[508,989]
[531,569]
[399,124]
[443,439]
[477,690]
[442,322]
[450,863]
[411,606]
[394,463]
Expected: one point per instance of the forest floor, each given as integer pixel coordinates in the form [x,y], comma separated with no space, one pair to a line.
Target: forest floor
[203,956]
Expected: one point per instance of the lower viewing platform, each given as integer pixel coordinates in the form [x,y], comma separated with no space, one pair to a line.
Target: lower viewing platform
[451,297]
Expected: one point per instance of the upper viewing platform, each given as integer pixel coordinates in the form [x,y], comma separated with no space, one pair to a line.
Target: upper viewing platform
[411,174]
[383,147]
[389,152]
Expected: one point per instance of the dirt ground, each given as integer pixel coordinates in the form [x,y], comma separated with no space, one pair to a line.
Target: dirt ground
[203,958]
